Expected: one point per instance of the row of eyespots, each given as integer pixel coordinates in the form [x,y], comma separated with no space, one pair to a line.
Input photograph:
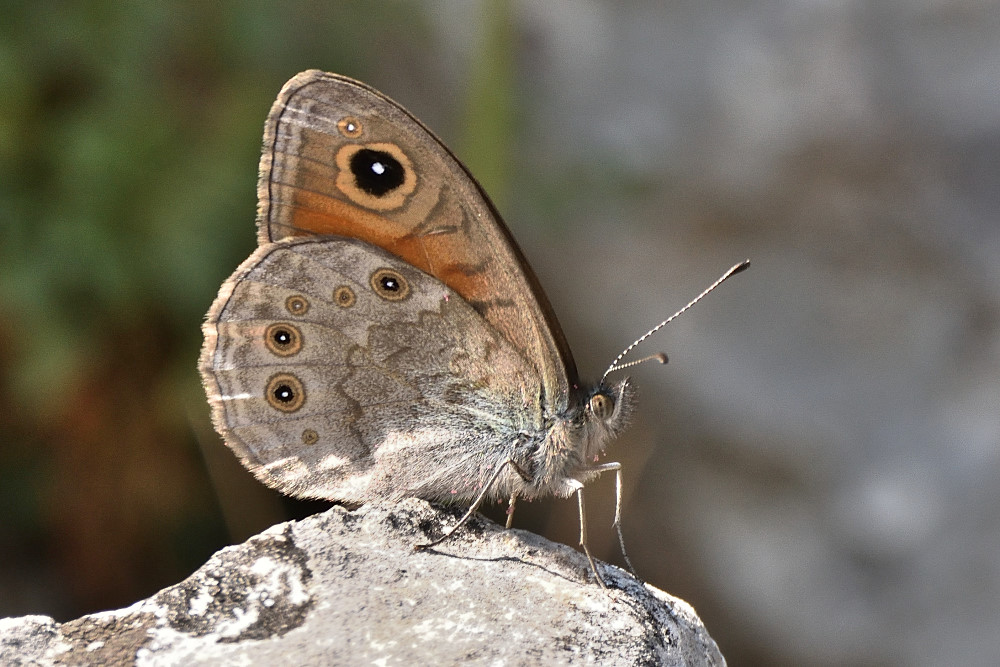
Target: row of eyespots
[284,391]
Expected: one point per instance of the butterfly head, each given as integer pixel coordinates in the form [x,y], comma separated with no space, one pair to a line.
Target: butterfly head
[566,455]
[606,413]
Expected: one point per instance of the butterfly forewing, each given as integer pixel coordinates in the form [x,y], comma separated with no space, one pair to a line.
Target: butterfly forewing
[340,158]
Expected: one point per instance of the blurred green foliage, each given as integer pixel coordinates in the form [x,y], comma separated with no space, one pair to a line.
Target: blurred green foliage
[127,157]
[490,102]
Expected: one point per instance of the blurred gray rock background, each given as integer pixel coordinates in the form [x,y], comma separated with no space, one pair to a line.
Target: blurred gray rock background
[815,470]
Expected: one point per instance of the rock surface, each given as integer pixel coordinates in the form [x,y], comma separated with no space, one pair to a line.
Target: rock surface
[347,587]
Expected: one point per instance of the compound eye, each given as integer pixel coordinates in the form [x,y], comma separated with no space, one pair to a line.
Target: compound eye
[601,405]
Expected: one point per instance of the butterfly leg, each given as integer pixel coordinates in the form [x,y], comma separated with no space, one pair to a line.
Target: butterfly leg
[583,537]
[472,509]
[526,476]
[617,467]
[510,510]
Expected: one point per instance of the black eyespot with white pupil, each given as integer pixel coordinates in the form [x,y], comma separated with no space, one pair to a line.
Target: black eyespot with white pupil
[390,284]
[285,392]
[376,172]
[283,339]
[377,176]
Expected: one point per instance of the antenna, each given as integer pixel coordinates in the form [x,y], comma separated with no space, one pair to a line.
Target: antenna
[662,358]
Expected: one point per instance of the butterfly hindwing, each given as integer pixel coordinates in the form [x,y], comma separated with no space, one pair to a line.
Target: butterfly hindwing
[335,370]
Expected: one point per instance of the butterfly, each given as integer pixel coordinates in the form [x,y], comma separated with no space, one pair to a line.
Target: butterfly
[387,338]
